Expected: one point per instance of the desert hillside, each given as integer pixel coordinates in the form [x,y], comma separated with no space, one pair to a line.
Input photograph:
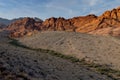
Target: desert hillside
[20,63]
[60,40]
[96,49]
[61,49]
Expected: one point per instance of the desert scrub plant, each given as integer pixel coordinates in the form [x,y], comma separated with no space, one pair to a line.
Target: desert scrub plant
[103,69]
[17,44]
[54,53]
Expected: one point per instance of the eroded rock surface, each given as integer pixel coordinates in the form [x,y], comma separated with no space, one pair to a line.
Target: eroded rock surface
[106,24]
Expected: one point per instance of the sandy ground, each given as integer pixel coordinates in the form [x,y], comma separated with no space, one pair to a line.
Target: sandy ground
[22,64]
[96,49]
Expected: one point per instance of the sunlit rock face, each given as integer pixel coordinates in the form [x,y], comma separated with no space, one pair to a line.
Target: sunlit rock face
[106,24]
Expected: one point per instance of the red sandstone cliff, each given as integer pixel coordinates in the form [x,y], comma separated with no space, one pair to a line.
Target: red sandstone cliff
[106,24]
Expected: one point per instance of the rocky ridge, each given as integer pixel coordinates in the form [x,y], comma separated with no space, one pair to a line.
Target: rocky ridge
[106,24]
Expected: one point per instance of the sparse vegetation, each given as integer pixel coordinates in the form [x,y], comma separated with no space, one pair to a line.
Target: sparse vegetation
[103,69]
[17,44]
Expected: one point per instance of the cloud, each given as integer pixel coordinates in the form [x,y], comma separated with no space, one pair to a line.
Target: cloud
[59,8]
[49,8]
[93,2]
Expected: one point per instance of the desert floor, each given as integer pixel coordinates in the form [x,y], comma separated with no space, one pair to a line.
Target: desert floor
[19,63]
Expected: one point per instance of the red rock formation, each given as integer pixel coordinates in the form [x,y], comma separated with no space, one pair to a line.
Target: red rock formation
[23,27]
[28,25]
[59,24]
[106,24]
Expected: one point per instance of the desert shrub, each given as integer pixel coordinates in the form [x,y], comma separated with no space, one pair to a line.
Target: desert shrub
[17,44]
[103,69]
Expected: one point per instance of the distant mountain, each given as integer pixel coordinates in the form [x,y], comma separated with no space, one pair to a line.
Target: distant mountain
[5,21]
[2,25]
[38,19]
[106,24]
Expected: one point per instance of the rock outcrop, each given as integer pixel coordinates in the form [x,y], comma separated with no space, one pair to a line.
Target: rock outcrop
[29,25]
[106,24]
[23,27]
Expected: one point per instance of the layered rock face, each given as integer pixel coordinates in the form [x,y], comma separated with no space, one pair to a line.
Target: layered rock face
[106,24]
[25,26]
[61,24]
[29,25]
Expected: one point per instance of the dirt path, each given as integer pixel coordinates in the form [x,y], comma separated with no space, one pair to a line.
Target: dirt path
[22,64]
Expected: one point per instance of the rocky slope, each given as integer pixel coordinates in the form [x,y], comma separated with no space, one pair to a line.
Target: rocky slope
[106,24]
[19,63]
[23,27]
[92,48]
[20,28]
